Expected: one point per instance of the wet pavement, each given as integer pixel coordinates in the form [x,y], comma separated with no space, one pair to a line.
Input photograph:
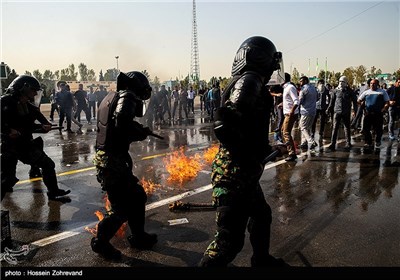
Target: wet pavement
[330,209]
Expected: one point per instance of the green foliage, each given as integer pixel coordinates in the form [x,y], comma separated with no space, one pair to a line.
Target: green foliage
[111,74]
[156,81]
[295,76]
[144,72]
[10,77]
[348,72]
[85,73]
[69,74]
[101,77]
[397,73]
[359,74]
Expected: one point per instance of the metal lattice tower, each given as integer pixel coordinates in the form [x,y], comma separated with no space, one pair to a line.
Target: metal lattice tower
[194,76]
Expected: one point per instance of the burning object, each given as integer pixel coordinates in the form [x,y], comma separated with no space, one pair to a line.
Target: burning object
[181,167]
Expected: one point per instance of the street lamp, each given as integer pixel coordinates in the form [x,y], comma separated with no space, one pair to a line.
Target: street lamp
[117,61]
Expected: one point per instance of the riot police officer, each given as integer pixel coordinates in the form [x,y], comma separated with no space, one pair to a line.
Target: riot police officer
[116,130]
[242,126]
[18,115]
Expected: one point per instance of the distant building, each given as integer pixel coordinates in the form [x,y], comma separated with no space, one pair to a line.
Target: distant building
[313,80]
[386,78]
[108,85]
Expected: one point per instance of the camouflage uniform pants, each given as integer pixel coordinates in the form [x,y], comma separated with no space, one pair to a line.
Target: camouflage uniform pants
[126,195]
[240,204]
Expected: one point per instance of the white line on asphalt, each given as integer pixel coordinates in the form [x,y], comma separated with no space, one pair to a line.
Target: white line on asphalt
[177,197]
[55,238]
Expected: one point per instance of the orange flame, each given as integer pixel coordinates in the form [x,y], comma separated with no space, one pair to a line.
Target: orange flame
[148,186]
[210,153]
[121,231]
[180,167]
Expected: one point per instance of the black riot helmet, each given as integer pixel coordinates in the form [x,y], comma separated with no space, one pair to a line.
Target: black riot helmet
[135,81]
[257,54]
[22,82]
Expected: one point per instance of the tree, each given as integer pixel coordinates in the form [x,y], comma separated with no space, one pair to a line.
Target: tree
[156,82]
[224,83]
[321,74]
[359,74]
[48,82]
[69,74]
[85,73]
[372,72]
[212,81]
[144,72]
[185,82]
[348,72]
[10,77]
[101,77]
[397,74]
[334,81]
[111,74]
[36,73]
[48,75]
[295,77]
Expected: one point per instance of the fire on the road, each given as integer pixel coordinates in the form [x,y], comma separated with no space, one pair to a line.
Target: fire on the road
[149,186]
[182,168]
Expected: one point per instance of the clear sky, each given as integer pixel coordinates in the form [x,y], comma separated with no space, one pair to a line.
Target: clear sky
[156,35]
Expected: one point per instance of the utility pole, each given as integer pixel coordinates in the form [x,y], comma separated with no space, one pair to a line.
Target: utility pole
[326,67]
[117,62]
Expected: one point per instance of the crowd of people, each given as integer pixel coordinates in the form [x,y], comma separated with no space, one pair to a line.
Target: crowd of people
[167,106]
[366,109]
[70,105]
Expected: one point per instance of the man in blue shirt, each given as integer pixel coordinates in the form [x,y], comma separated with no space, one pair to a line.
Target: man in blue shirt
[376,103]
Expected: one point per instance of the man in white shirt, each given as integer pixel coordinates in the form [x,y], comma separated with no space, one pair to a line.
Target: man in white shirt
[190,99]
[290,111]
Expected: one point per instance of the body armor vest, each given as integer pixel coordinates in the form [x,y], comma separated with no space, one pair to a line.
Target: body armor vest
[105,118]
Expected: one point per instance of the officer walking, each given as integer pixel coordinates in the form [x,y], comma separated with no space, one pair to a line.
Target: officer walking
[241,126]
[116,130]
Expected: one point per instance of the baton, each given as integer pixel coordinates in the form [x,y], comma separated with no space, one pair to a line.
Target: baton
[41,130]
[180,206]
[271,157]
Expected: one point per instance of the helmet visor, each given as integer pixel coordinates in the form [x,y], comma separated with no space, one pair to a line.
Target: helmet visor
[278,76]
[38,97]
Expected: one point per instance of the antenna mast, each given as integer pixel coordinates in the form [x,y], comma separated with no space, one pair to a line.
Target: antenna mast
[194,76]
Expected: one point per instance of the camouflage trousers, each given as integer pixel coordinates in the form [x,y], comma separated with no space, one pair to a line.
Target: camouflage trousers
[126,195]
[240,204]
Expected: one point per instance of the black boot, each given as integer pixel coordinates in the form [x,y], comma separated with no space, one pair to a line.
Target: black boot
[143,241]
[105,249]
[57,193]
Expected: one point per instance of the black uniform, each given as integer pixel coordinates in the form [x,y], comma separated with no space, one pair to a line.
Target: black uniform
[117,129]
[21,117]
[242,126]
